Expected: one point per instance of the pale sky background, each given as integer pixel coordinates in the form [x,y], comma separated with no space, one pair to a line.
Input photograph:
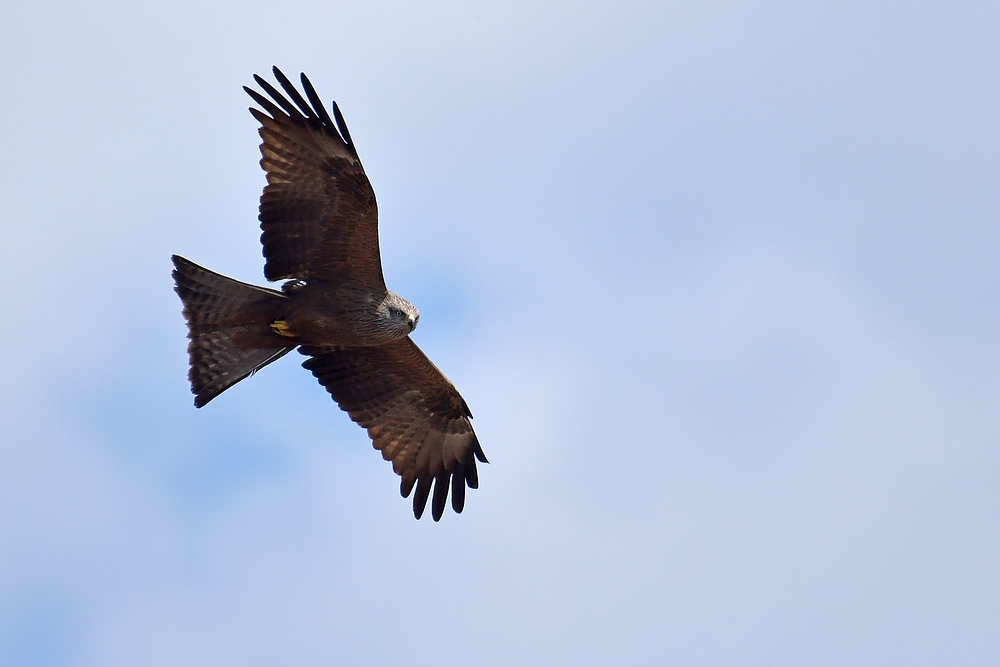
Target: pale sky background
[719,281]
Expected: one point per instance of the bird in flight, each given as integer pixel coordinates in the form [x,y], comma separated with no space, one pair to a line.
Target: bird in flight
[320,235]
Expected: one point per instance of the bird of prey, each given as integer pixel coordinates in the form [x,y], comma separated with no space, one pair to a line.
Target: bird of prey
[320,235]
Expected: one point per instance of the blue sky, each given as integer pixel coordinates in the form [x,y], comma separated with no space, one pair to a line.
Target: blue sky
[719,281]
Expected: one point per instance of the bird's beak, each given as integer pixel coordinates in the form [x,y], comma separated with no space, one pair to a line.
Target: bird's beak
[412,323]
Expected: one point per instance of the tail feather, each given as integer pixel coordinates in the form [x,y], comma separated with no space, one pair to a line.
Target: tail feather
[228,327]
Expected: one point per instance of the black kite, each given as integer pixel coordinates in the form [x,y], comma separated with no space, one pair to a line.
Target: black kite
[320,234]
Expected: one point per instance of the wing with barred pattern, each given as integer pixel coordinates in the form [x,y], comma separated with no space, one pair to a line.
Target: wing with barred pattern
[412,413]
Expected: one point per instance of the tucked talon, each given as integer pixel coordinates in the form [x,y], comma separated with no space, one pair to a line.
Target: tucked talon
[281,328]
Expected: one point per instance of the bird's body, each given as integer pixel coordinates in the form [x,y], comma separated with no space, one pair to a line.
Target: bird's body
[344,315]
[320,233]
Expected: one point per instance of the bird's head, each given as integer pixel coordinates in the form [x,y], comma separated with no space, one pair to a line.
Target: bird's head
[399,316]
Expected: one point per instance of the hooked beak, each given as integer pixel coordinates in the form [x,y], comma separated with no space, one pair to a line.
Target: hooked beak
[411,322]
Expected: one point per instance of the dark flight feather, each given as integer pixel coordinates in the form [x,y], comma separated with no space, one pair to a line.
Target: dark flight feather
[420,497]
[317,104]
[294,93]
[270,107]
[342,126]
[275,95]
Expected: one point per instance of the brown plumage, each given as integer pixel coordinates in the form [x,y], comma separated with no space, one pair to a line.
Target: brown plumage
[320,233]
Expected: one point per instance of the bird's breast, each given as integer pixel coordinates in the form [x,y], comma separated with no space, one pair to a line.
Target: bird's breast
[335,316]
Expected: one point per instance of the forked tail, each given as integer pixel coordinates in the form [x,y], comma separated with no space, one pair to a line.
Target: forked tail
[228,325]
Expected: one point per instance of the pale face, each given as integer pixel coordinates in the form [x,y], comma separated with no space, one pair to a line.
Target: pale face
[400,315]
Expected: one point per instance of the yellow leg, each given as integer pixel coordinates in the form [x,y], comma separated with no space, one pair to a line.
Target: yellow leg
[281,328]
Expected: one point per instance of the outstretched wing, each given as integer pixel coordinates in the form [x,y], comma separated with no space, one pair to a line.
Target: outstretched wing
[413,414]
[318,211]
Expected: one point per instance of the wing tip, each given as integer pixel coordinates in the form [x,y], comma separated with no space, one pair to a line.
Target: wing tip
[444,483]
[312,112]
